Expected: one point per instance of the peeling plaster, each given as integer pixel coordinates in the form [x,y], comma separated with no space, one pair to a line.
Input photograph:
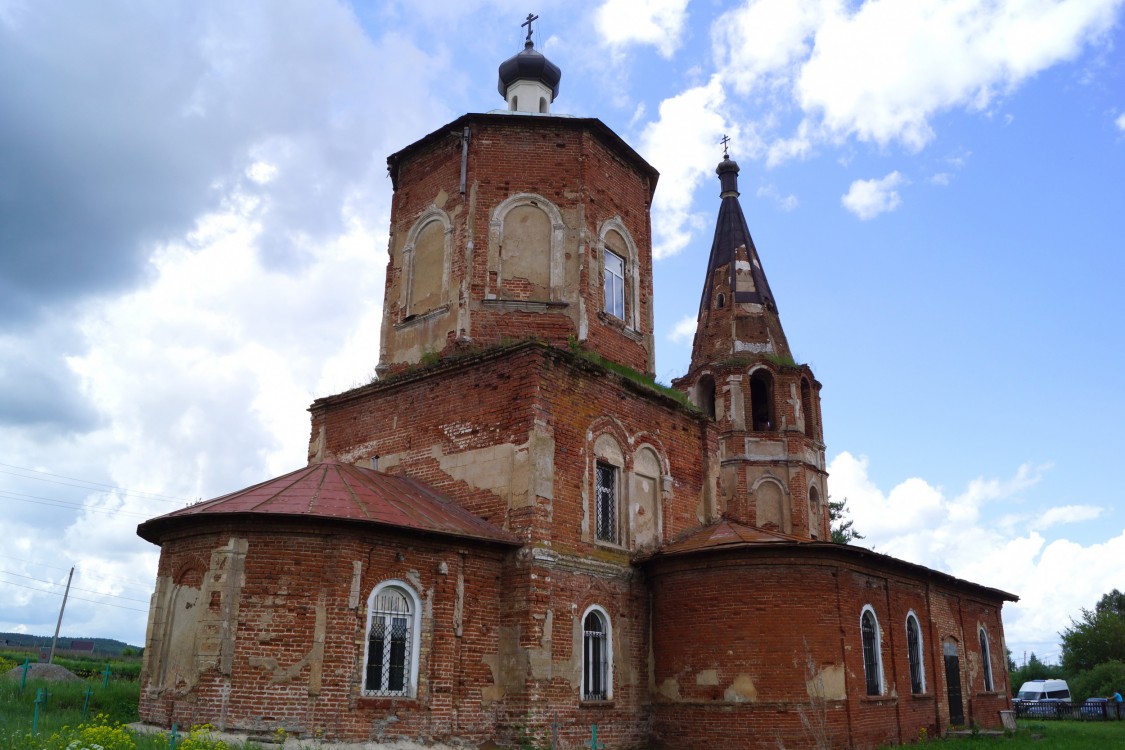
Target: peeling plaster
[742,690]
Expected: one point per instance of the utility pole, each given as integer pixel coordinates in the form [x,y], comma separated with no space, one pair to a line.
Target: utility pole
[51,658]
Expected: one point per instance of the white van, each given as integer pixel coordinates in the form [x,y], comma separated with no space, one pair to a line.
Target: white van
[1044,690]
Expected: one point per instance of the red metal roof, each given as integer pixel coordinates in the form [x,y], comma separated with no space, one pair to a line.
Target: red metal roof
[339,491]
[726,533]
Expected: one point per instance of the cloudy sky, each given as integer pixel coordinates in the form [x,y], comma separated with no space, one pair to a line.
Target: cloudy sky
[193,212]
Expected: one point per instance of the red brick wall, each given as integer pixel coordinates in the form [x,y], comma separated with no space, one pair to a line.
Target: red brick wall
[763,612]
[572,164]
[289,571]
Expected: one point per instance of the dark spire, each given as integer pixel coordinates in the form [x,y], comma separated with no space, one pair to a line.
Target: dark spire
[737,313]
[732,233]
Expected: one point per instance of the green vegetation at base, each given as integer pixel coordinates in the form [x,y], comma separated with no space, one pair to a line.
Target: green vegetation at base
[1055,735]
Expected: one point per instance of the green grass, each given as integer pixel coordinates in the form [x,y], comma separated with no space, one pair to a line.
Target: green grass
[1054,735]
[63,705]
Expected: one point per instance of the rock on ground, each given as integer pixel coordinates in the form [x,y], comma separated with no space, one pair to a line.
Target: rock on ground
[49,672]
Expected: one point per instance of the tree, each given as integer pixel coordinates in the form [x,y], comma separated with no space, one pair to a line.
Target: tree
[1096,638]
[842,531]
[1100,682]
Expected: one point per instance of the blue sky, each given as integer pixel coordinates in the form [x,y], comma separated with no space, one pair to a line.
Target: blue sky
[193,211]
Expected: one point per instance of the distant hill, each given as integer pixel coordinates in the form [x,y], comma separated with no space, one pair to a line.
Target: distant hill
[101,645]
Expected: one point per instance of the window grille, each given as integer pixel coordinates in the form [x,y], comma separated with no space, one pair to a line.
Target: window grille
[871,654]
[914,654]
[595,659]
[388,645]
[605,500]
[986,660]
[614,290]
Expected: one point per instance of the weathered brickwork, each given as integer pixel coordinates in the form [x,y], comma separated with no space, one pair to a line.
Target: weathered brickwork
[689,536]
[782,624]
[297,637]
[581,176]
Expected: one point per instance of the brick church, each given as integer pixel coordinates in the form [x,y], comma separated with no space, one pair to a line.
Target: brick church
[514,534]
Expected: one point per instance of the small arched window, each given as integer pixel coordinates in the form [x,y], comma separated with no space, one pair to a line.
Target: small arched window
[597,656]
[761,400]
[720,300]
[872,656]
[986,661]
[914,655]
[515,103]
[543,108]
[809,409]
[391,661]
[706,391]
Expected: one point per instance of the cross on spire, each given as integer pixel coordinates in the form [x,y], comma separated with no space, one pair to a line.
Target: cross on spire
[530,17]
[725,140]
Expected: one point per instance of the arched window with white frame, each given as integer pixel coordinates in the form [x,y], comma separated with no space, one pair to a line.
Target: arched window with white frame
[872,651]
[986,660]
[914,654]
[597,655]
[392,643]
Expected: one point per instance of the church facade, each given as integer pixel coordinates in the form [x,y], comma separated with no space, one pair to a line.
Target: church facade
[514,534]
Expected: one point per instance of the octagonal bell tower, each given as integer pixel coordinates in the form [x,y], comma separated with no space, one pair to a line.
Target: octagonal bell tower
[519,223]
[765,405]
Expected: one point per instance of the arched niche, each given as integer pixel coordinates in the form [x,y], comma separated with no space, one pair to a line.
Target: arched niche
[425,259]
[526,255]
[771,503]
[645,501]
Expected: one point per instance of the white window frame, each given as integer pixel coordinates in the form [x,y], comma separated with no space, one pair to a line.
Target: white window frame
[588,642]
[916,653]
[613,284]
[986,659]
[410,688]
[877,655]
[614,504]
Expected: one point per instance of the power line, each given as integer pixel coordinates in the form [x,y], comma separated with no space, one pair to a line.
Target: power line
[92,601]
[88,484]
[76,588]
[146,585]
[56,503]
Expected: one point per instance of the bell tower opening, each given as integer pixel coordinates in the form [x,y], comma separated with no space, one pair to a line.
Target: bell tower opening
[761,401]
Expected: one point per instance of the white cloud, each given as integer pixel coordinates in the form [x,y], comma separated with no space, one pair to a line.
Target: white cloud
[921,523]
[656,22]
[869,198]
[942,178]
[684,330]
[1120,122]
[683,146]
[1065,514]
[764,43]
[785,203]
[881,72]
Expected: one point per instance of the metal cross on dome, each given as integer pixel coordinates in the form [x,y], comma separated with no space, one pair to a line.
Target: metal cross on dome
[530,17]
[725,140]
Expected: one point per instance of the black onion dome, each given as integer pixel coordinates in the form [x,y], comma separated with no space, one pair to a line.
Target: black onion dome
[728,175]
[529,64]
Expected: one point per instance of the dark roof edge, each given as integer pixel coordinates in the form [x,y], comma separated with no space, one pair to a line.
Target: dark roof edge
[152,529]
[529,120]
[832,549]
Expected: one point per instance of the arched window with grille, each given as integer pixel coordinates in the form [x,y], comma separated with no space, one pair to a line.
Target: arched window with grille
[391,659]
[914,654]
[986,661]
[872,657]
[597,655]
